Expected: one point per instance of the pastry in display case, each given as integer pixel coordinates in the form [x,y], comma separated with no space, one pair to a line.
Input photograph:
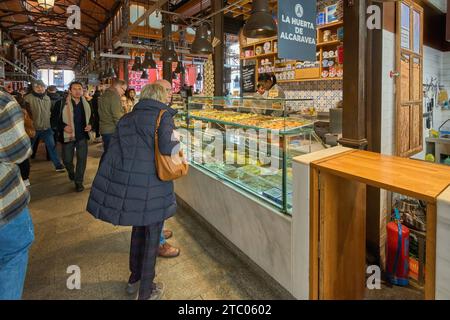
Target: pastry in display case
[250,143]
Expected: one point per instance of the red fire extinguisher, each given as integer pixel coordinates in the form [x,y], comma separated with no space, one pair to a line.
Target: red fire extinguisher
[397,263]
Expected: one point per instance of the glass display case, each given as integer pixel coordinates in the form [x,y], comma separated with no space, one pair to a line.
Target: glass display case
[249,142]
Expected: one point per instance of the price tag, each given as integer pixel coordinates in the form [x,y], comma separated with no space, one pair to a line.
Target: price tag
[273,93]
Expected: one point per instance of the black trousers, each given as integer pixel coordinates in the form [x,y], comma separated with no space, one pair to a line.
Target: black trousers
[143,253]
[68,150]
[25,169]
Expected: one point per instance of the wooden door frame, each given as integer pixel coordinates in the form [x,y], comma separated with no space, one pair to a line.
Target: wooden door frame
[398,52]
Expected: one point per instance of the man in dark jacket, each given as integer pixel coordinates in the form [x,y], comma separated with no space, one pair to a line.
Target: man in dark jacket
[127,191]
[73,125]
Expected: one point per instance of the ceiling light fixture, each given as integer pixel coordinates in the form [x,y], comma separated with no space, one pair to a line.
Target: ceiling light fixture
[148,61]
[261,23]
[137,66]
[144,74]
[46,4]
[168,53]
[53,58]
[201,44]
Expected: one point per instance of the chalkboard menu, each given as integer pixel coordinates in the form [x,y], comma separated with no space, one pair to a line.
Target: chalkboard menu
[248,79]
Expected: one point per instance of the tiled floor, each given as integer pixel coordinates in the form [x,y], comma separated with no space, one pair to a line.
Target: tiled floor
[67,235]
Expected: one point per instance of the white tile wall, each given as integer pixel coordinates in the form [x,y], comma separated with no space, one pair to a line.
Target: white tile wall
[326,94]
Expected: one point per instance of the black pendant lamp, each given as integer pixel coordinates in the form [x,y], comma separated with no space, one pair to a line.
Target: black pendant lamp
[110,74]
[148,61]
[144,74]
[201,44]
[261,23]
[137,66]
[199,77]
[180,68]
[168,52]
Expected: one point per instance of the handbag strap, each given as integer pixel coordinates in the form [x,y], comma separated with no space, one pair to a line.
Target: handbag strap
[158,122]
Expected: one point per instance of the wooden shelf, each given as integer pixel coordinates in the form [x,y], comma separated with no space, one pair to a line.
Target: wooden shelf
[329,43]
[260,56]
[260,42]
[331,25]
[308,80]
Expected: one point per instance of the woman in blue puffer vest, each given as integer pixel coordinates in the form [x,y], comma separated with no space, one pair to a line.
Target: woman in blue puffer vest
[127,191]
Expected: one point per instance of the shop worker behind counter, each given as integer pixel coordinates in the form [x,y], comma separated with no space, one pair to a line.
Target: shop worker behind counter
[16,227]
[127,191]
[272,89]
[110,110]
[74,117]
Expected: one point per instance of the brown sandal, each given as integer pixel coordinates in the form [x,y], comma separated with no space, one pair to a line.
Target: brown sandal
[167,234]
[168,251]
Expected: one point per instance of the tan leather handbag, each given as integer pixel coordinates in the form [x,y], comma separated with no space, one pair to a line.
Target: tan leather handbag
[171,167]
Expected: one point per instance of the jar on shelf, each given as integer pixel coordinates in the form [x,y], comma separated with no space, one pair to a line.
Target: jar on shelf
[326,35]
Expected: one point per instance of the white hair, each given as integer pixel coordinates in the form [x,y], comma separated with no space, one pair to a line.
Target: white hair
[155,92]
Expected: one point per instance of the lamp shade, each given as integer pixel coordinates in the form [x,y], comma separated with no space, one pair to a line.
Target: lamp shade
[168,53]
[261,23]
[144,74]
[53,58]
[180,68]
[148,61]
[111,73]
[201,44]
[137,66]
[199,77]
[46,4]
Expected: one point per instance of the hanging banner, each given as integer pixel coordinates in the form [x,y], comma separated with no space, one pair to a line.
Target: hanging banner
[297,29]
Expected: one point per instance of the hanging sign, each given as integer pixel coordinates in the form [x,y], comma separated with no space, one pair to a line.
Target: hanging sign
[297,29]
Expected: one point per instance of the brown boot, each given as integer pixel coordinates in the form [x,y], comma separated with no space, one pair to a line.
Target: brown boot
[167,251]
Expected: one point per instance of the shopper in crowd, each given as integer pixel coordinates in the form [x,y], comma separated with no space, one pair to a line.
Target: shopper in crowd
[110,110]
[74,118]
[124,104]
[166,250]
[139,198]
[95,116]
[16,227]
[53,94]
[272,89]
[40,105]
[132,98]
[29,129]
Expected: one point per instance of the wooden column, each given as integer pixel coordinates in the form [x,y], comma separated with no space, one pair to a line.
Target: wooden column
[218,57]
[373,123]
[354,113]
[125,22]
[167,30]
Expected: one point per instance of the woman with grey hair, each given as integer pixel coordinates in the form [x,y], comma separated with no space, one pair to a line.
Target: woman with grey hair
[127,191]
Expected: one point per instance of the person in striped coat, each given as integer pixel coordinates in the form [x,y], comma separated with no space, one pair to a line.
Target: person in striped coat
[16,227]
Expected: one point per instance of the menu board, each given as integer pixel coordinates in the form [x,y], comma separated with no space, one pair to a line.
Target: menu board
[248,79]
